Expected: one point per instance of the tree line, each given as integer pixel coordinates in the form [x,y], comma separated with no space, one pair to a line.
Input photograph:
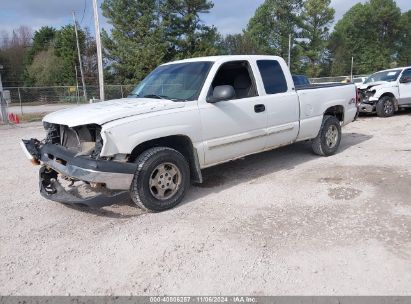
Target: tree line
[146,33]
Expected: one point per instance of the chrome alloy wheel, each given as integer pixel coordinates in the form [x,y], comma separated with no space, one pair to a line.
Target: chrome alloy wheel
[165,180]
[388,106]
[331,136]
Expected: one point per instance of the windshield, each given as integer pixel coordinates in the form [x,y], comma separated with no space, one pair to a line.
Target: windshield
[177,82]
[384,76]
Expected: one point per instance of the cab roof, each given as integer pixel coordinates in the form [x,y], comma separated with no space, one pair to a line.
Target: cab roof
[394,69]
[225,58]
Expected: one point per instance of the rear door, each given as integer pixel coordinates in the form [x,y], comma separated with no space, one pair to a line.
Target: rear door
[281,102]
[405,89]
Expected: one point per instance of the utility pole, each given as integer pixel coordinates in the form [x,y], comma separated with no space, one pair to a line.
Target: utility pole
[79,59]
[99,53]
[77,92]
[352,67]
[1,83]
[3,104]
[289,51]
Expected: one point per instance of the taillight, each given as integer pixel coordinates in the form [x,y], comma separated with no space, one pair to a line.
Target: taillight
[358,98]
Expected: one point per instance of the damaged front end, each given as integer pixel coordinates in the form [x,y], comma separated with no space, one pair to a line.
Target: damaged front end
[368,103]
[72,156]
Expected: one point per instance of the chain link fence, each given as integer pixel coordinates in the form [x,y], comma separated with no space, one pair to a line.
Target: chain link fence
[62,94]
[31,103]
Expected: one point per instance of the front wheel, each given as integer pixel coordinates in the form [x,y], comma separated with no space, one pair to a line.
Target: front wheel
[328,139]
[161,179]
[385,107]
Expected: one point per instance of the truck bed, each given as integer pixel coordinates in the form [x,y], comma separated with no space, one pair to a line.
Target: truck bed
[314,102]
[319,86]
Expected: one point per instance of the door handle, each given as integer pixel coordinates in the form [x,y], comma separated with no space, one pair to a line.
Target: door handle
[259,108]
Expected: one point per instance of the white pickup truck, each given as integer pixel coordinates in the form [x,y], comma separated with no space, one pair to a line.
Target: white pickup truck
[183,117]
[386,91]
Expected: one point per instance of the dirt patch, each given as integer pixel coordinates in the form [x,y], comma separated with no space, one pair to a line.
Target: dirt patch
[343,193]
[383,216]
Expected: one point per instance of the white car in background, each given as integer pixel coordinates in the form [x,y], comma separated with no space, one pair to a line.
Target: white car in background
[359,81]
[386,92]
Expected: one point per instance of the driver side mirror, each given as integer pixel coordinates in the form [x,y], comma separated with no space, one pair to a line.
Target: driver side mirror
[405,79]
[220,93]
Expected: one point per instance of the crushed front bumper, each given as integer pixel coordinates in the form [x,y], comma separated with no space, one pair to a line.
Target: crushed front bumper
[367,108]
[56,160]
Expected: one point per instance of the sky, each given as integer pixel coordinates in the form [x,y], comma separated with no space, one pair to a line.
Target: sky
[229,16]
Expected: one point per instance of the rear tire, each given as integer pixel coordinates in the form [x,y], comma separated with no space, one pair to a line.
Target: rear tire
[385,107]
[161,179]
[328,139]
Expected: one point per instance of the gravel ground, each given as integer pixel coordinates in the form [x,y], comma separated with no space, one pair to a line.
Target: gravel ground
[282,222]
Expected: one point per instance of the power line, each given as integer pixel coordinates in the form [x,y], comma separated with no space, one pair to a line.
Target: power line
[84,11]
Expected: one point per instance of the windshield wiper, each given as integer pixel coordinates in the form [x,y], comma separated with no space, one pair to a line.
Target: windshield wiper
[155,96]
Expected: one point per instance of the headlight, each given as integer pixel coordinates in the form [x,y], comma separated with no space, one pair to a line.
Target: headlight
[98,145]
[370,94]
[47,125]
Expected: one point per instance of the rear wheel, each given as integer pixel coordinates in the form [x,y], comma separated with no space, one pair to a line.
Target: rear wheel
[161,179]
[385,107]
[328,139]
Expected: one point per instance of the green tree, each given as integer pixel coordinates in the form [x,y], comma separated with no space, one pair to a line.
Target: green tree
[66,48]
[317,16]
[14,51]
[42,39]
[238,44]
[136,43]
[89,56]
[187,35]
[47,69]
[369,33]
[404,52]
[272,24]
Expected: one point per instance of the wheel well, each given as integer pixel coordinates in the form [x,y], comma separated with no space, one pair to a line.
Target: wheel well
[388,94]
[393,98]
[337,111]
[182,144]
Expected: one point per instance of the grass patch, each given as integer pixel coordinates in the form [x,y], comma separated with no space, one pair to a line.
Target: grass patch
[41,103]
[30,117]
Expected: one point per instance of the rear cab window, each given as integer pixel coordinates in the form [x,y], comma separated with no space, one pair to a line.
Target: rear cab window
[273,77]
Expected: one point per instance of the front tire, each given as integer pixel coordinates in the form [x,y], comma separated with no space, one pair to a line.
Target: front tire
[328,139]
[161,179]
[385,107]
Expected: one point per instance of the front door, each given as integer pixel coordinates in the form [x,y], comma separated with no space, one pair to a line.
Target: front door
[405,89]
[236,127]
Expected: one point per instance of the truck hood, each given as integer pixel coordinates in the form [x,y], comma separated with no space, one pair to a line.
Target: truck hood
[377,85]
[103,112]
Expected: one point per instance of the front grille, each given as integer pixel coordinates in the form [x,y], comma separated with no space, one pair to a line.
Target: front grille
[80,139]
[69,139]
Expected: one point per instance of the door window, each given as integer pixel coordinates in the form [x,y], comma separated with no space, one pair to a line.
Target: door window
[406,73]
[273,76]
[237,74]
